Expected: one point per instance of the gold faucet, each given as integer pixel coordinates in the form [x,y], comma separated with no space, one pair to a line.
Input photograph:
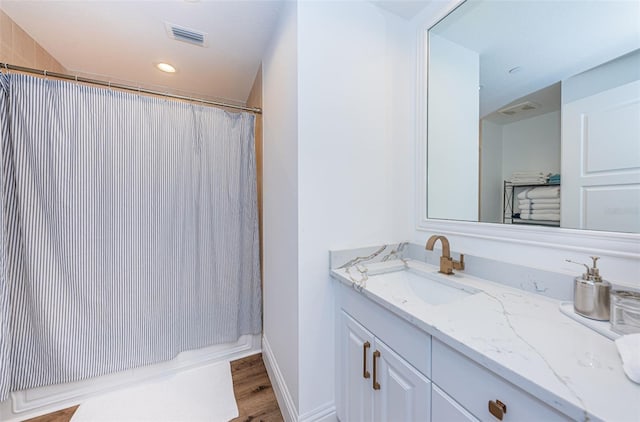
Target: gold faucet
[447,264]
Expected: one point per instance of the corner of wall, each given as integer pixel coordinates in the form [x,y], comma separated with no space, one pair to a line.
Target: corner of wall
[17,47]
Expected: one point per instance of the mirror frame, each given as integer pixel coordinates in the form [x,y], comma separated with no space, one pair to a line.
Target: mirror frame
[622,245]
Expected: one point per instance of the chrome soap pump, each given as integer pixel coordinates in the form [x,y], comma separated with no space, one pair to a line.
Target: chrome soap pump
[591,293]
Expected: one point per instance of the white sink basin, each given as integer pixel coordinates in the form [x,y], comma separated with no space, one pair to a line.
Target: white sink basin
[407,285]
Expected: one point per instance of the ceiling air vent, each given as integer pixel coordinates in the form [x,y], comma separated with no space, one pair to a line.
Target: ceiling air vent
[518,108]
[191,36]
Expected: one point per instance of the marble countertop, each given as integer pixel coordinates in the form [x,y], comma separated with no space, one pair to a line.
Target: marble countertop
[522,337]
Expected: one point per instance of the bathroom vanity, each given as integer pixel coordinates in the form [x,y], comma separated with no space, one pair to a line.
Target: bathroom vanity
[416,345]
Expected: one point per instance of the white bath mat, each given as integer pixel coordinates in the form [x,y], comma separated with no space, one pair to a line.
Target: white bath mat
[200,394]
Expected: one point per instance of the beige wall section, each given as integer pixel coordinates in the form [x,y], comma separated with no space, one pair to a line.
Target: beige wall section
[18,48]
[255,100]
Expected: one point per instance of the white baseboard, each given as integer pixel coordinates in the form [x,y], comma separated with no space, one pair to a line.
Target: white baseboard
[324,413]
[38,401]
[285,401]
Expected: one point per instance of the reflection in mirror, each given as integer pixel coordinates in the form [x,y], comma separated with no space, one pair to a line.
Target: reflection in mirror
[534,114]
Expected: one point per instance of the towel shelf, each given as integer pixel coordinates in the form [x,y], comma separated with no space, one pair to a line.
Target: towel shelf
[510,194]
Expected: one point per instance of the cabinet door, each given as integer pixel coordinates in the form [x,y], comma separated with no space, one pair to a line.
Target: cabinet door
[445,409]
[404,394]
[355,389]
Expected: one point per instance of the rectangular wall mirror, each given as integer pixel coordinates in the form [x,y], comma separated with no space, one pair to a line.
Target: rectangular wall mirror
[534,114]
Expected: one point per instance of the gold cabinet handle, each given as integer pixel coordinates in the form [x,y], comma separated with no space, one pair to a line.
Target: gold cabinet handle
[365,346]
[496,408]
[376,384]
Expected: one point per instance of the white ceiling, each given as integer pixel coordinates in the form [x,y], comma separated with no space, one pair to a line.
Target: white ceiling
[546,99]
[406,9]
[124,39]
[548,40]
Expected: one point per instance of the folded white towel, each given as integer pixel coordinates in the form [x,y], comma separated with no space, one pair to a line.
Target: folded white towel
[629,351]
[536,206]
[549,216]
[529,174]
[521,181]
[542,192]
[534,212]
[526,202]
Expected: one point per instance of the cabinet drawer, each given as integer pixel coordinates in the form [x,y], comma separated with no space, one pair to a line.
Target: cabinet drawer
[473,386]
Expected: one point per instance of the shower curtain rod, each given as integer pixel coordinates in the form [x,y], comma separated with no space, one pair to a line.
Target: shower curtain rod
[8,66]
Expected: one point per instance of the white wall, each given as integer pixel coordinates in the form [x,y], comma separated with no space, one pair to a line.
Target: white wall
[532,145]
[354,139]
[453,154]
[280,200]
[491,179]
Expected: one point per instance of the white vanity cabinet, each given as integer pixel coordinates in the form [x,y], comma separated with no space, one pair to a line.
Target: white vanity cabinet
[420,378]
[382,369]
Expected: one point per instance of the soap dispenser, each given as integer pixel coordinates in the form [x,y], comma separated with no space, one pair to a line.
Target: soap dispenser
[591,293]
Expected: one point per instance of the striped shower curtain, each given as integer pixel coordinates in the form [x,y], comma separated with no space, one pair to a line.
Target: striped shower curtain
[130,230]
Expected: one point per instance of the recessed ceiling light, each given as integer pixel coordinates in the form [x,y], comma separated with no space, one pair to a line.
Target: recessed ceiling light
[166,67]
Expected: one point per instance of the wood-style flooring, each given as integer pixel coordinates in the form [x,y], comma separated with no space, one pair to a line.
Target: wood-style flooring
[254,394]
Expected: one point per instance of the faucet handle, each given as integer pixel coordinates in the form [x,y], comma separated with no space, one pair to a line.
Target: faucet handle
[459,265]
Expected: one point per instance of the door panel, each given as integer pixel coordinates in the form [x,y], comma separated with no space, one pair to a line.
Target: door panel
[601,161]
[356,391]
[404,394]
[445,409]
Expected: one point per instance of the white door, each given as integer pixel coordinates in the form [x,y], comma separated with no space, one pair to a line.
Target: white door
[601,161]
[404,394]
[355,388]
